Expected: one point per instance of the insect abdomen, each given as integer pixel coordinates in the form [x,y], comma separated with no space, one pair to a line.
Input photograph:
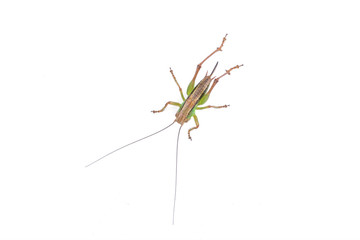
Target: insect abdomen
[182,116]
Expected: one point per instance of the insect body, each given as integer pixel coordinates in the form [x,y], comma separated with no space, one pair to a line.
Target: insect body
[197,96]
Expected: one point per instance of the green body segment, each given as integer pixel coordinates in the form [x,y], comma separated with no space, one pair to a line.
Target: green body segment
[192,113]
[197,95]
[190,87]
[193,100]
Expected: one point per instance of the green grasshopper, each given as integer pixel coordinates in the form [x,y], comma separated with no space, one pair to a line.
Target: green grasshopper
[197,96]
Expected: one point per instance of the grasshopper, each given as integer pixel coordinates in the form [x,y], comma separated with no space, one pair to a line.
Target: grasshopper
[196,96]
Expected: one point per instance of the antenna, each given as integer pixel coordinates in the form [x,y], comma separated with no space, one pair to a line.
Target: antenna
[129,145]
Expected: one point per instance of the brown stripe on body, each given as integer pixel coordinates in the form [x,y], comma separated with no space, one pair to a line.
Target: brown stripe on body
[192,100]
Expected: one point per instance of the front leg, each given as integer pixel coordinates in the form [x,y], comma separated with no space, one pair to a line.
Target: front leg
[197,125]
[171,103]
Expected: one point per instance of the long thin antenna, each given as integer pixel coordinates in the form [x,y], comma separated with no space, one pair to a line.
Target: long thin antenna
[129,145]
[176,164]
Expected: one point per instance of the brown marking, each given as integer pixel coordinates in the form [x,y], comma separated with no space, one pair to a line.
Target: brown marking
[192,100]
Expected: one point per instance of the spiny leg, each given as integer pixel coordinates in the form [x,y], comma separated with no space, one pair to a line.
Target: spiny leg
[197,125]
[182,95]
[210,106]
[207,94]
[192,83]
[171,103]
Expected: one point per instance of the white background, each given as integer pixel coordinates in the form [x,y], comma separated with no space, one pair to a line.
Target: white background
[79,79]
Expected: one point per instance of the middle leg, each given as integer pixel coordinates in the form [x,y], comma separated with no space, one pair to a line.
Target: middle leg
[182,95]
[210,106]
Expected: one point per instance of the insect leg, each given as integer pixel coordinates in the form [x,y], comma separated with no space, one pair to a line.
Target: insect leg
[207,94]
[197,125]
[171,103]
[210,106]
[182,95]
[192,83]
